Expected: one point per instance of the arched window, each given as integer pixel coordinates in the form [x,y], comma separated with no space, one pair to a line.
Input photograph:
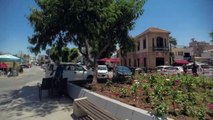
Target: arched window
[159,42]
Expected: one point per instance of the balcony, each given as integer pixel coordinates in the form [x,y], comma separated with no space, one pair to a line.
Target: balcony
[160,48]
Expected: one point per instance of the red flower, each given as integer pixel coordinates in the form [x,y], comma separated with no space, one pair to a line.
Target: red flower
[151,89]
[210,106]
[145,81]
[177,82]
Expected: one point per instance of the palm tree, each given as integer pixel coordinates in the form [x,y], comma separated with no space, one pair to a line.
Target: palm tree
[172,41]
[211,35]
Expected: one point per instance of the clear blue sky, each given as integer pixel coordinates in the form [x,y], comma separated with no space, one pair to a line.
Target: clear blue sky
[185,19]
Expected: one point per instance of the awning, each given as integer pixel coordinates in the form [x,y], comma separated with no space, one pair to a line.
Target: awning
[112,60]
[181,62]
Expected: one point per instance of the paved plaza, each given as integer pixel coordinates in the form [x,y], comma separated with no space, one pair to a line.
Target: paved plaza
[22,102]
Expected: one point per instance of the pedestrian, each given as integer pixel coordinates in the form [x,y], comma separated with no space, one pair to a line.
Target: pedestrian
[194,69]
[58,76]
[184,68]
[59,71]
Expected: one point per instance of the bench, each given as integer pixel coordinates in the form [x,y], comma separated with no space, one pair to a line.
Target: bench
[83,107]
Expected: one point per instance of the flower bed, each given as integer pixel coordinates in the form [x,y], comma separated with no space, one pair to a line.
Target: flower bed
[179,97]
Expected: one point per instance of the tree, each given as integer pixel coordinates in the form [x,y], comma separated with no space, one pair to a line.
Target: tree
[211,35]
[172,41]
[73,54]
[66,55]
[197,47]
[94,27]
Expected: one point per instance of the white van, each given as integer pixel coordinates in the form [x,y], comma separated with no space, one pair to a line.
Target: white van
[102,71]
[73,72]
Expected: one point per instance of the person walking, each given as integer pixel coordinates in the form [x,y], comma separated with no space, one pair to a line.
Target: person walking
[194,69]
[184,68]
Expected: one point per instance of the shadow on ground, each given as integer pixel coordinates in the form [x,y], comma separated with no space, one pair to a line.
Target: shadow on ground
[24,102]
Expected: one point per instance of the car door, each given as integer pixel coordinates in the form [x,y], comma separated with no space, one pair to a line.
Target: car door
[69,72]
[80,73]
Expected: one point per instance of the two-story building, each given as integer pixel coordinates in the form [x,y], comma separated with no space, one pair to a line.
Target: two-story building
[152,49]
[183,53]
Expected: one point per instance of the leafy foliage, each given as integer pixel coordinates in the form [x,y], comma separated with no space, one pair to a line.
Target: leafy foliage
[211,35]
[95,27]
[99,25]
[182,96]
[66,55]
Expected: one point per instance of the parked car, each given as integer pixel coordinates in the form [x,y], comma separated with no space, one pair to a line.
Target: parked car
[102,71]
[121,73]
[173,70]
[211,68]
[24,66]
[162,67]
[73,72]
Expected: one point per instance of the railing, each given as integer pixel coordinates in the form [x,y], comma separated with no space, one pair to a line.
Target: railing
[160,48]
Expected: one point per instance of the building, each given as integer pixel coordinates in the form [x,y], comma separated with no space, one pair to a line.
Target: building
[199,47]
[207,56]
[42,59]
[152,49]
[184,53]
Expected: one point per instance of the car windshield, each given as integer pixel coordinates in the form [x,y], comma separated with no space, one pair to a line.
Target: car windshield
[102,68]
[123,69]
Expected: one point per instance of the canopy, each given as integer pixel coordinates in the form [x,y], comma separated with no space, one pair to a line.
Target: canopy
[9,58]
[112,60]
[181,62]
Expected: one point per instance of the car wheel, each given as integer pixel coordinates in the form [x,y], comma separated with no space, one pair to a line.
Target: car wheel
[90,78]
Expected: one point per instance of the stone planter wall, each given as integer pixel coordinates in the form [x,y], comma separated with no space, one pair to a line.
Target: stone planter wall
[118,109]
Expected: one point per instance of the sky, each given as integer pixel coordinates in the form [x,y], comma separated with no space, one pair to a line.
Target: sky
[184,19]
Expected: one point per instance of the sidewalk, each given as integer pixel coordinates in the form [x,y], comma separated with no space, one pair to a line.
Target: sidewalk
[24,104]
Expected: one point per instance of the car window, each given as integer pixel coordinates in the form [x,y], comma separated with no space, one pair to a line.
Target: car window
[78,68]
[170,68]
[189,66]
[102,68]
[159,68]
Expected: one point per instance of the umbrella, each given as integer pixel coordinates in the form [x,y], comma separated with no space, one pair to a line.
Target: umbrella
[9,58]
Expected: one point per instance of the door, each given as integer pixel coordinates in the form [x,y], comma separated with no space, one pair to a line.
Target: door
[80,73]
[69,72]
[159,61]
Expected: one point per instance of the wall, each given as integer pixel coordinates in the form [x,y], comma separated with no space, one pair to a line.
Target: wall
[117,108]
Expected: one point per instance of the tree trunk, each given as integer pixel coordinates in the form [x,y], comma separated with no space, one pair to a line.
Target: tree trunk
[95,73]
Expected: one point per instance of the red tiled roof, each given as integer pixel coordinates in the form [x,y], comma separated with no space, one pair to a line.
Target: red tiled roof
[155,30]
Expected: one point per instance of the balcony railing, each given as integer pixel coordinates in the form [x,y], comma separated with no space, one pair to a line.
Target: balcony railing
[160,48]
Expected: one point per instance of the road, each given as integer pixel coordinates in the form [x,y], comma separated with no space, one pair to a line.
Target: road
[11,83]
[19,99]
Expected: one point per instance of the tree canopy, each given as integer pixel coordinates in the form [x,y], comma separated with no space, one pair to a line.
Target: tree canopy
[95,27]
[172,40]
[66,55]
[211,35]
